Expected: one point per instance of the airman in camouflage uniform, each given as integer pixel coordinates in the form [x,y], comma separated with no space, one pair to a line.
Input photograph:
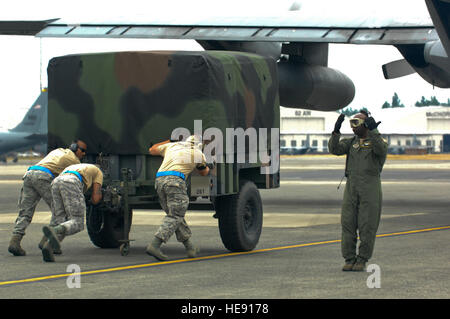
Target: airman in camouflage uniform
[361,209]
[142,94]
[179,161]
[69,204]
[36,185]
[174,201]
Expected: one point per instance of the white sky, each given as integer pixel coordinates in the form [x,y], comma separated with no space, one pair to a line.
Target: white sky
[23,60]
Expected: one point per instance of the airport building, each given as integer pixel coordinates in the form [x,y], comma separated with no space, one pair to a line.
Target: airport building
[407,130]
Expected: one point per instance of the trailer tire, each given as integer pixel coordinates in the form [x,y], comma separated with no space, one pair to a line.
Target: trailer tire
[240,218]
[106,228]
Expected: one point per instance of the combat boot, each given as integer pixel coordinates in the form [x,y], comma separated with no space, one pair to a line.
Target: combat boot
[14,245]
[42,243]
[348,265]
[153,249]
[54,235]
[47,252]
[359,266]
[191,250]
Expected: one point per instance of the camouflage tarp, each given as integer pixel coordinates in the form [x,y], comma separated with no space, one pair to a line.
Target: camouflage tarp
[120,102]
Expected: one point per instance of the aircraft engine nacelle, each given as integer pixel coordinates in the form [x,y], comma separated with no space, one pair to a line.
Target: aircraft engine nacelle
[430,61]
[313,87]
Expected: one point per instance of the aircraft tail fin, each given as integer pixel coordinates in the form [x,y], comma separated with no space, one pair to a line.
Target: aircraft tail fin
[35,120]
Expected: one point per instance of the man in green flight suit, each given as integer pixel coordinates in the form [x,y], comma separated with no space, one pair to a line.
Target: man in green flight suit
[361,207]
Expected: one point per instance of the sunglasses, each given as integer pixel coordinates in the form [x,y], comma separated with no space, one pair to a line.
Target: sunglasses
[355,122]
[82,149]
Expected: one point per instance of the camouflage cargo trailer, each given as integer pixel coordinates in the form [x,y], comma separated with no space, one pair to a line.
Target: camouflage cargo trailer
[119,103]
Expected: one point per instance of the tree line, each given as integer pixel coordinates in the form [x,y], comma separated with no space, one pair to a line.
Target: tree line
[433,101]
[395,102]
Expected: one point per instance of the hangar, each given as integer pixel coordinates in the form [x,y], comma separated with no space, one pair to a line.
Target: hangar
[408,129]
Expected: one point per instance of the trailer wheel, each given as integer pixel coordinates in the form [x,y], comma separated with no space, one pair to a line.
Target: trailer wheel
[106,226]
[240,218]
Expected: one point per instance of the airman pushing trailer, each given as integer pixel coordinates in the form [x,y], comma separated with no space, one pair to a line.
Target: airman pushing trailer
[120,102]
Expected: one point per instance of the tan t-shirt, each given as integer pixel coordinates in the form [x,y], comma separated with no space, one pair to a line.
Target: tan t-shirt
[89,172]
[180,157]
[57,160]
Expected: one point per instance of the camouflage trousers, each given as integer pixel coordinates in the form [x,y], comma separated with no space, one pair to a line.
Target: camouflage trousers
[172,193]
[36,185]
[69,204]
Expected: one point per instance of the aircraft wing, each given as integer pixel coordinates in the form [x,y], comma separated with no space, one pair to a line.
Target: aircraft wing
[298,39]
[23,27]
[291,26]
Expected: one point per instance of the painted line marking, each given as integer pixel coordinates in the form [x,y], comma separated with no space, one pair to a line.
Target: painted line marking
[178,261]
[383,182]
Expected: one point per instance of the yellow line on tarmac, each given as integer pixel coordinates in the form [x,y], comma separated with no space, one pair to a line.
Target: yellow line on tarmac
[409,232]
[177,261]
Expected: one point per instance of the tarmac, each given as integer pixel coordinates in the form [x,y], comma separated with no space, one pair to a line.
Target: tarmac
[297,258]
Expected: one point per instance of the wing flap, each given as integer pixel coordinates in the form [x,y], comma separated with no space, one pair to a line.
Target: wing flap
[412,35]
[298,34]
[292,26]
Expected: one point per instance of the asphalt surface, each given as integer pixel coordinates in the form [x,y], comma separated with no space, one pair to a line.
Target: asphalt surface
[297,257]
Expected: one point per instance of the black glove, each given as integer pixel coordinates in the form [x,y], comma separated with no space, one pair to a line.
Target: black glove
[370,123]
[338,124]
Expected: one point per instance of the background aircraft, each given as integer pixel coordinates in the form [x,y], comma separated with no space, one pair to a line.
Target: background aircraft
[30,133]
[298,40]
